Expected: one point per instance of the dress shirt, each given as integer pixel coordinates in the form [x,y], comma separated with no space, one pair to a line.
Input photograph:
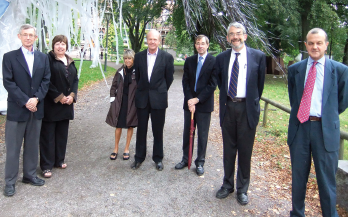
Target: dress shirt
[242,75]
[151,59]
[317,95]
[29,57]
[204,56]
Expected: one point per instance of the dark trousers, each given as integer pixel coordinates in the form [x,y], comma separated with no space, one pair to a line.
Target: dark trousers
[202,120]
[309,142]
[14,134]
[237,138]
[157,121]
[53,141]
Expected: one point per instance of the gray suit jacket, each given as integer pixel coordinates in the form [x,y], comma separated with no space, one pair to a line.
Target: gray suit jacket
[335,99]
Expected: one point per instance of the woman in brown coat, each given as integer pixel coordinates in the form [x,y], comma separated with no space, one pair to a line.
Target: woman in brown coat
[122,112]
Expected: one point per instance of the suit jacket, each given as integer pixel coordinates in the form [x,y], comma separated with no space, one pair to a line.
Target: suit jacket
[20,86]
[60,86]
[206,83]
[334,102]
[256,69]
[155,91]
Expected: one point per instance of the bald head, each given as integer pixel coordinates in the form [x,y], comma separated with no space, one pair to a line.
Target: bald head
[153,40]
[318,31]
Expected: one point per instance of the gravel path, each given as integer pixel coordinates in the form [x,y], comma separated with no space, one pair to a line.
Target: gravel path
[93,185]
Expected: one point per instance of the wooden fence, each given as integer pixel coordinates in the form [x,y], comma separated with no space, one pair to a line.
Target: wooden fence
[344,135]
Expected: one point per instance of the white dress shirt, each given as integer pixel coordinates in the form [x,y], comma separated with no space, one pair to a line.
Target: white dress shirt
[29,57]
[317,95]
[151,59]
[242,60]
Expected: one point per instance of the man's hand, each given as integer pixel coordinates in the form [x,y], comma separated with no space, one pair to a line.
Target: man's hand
[192,101]
[192,108]
[63,100]
[31,104]
[69,100]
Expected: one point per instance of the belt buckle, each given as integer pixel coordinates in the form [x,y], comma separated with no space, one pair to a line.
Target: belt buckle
[234,99]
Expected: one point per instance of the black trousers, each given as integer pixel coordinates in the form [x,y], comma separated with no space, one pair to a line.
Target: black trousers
[53,141]
[309,142]
[157,120]
[237,138]
[202,120]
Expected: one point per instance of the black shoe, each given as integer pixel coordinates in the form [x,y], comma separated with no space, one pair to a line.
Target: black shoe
[135,165]
[9,190]
[159,166]
[199,170]
[180,165]
[223,192]
[36,181]
[242,198]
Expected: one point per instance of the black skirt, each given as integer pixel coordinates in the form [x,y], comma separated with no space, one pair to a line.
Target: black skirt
[122,118]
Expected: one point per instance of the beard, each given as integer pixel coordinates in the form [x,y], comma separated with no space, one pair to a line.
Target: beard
[236,47]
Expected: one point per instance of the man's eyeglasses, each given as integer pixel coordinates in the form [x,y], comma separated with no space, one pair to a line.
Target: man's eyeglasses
[26,35]
[235,34]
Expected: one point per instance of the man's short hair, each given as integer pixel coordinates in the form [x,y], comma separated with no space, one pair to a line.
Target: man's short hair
[199,37]
[25,27]
[238,26]
[317,31]
[154,30]
[60,38]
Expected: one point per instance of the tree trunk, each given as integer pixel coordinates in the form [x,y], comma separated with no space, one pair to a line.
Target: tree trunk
[306,8]
[345,57]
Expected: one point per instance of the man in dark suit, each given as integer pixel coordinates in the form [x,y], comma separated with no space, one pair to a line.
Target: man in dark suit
[199,84]
[26,77]
[154,71]
[318,93]
[240,74]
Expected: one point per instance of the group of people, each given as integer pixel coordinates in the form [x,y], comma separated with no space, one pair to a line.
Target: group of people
[318,93]
[41,92]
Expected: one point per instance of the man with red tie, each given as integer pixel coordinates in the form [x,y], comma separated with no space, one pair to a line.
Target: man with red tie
[318,93]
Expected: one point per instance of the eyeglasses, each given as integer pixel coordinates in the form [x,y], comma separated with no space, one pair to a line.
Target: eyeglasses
[235,34]
[30,35]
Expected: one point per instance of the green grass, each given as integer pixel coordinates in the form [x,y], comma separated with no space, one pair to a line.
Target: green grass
[278,120]
[179,63]
[91,75]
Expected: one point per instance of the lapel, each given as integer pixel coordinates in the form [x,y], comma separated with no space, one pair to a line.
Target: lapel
[194,65]
[36,62]
[250,55]
[204,66]
[158,60]
[300,79]
[329,77]
[225,71]
[22,61]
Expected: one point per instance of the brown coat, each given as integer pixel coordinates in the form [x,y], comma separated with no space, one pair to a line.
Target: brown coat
[117,92]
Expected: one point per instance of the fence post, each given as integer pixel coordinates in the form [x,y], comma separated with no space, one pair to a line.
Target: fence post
[265,112]
[340,154]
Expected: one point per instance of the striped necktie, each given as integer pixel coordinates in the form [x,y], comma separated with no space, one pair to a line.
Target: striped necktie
[198,71]
[232,89]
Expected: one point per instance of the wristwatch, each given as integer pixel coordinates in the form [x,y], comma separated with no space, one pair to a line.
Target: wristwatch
[37,99]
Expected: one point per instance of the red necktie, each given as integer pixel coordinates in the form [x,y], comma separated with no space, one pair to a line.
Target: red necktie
[303,111]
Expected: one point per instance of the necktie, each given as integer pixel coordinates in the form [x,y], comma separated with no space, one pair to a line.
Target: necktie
[232,89]
[199,67]
[305,105]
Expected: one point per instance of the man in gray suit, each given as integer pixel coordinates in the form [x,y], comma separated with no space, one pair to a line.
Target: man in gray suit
[26,77]
[318,93]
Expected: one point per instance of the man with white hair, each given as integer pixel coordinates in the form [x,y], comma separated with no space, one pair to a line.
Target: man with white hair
[26,77]
[154,71]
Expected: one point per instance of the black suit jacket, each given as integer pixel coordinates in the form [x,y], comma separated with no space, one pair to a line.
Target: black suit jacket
[206,83]
[334,102]
[256,69]
[20,86]
[155,91]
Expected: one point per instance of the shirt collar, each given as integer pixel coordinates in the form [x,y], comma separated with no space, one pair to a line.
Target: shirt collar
[241,52]
[321,61]
[26,51]
[155,54]
[204,56]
